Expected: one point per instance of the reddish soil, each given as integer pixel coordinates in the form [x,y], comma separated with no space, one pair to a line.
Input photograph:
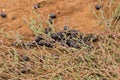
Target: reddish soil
[77,14]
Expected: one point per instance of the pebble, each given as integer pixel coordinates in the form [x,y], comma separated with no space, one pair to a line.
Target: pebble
[97,7]
[38,38]
[66,27]
[3,15]
[25,70]
[36,6]
[52,16]
[50,20]
[54,36]
[25,58]
[48,30]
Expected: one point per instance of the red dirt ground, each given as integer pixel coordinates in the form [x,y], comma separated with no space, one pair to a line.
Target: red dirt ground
[75,13]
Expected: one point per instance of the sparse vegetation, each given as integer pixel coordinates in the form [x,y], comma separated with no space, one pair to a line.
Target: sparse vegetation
[23,61]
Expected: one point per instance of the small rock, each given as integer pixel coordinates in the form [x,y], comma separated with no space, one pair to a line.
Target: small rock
[54,36]
[66,27]
[47,30]
[49,45]
[97,7]
[31,44]
[38,38]
[73,44]
[25,58]
[61,35]
[41,43]
[68,42]
[3,15]
[50,20]
[25,70]
[95,39]
[36,6]
[52,16]
[73,34]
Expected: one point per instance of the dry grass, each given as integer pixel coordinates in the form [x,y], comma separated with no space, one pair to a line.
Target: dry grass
[60,63]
